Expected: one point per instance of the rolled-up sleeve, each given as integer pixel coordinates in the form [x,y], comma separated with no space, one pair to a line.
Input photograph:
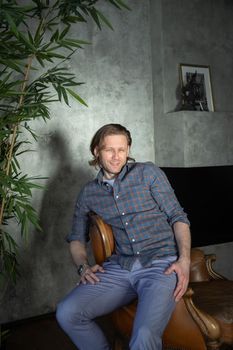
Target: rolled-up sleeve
[165,197]
[80,224]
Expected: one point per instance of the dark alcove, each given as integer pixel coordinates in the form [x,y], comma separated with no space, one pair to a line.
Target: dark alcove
[206,195]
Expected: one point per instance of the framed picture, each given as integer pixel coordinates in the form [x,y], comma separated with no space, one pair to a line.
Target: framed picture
[196,87]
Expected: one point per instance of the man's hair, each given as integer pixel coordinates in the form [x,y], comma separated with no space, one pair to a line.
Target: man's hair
[107,130]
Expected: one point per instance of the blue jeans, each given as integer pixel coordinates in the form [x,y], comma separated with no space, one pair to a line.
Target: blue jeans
[118,287]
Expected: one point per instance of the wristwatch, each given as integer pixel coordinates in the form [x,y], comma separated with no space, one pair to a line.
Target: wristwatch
[82,268]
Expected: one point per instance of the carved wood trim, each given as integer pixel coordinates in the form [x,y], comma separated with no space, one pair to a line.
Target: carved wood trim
[207,324]
[210,259]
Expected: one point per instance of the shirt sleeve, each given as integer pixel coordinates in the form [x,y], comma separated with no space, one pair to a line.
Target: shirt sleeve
[80,224]
[165,197]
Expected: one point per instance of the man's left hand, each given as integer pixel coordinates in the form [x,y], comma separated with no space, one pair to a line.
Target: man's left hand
[181,267]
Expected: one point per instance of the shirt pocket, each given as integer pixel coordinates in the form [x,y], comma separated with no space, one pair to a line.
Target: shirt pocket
[139,199]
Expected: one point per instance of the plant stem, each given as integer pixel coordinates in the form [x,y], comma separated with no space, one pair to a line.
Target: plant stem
[14,133]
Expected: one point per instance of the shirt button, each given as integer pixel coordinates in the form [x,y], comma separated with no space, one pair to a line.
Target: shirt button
[126,223]
[133,239]
[138,253]
[117,197]
[123,214]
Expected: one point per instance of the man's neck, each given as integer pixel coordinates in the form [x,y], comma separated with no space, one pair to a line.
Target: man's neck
[109,177]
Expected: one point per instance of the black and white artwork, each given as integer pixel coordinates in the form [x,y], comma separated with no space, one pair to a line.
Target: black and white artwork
[196,88]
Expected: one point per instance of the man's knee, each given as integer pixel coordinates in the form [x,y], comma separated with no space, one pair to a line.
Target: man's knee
[67,315]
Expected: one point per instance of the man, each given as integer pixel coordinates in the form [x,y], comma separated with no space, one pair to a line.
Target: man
[152,238]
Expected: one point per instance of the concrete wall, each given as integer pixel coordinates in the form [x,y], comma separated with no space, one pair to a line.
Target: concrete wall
[199,33]
[117,72]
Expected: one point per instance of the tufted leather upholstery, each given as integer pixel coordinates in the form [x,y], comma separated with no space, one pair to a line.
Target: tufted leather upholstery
[212,293]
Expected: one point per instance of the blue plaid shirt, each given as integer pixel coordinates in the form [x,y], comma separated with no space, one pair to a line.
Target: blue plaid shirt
[141,207]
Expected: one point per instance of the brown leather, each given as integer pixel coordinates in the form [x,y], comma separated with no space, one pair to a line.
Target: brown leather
[181,331]
[201,268]
[216,299]
[198,269]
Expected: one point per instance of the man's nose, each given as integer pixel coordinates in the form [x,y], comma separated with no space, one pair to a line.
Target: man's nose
[116,155]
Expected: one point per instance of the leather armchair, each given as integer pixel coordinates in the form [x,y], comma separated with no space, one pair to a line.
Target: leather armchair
[202,319]
[213,293]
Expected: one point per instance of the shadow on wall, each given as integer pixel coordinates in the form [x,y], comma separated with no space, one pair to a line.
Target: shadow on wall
[179,106]
[53,274]
[47,272]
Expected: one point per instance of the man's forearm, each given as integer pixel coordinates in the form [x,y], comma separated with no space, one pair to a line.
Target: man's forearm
[87,272]
[183,239]
[78,253]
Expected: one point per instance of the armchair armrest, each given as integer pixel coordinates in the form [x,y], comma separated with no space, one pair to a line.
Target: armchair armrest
[191,328]
[201,268]
[210,259]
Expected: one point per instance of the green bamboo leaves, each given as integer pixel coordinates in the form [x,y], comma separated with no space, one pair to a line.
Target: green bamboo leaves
[35,45]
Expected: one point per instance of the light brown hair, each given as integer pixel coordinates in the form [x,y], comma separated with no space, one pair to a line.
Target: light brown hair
[106,130]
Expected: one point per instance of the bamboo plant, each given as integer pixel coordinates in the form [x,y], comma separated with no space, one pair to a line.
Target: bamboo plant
[35,43]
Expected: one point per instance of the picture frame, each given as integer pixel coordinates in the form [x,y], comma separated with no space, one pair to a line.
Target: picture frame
[196,87]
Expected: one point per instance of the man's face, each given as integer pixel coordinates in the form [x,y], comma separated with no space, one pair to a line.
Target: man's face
[112,154]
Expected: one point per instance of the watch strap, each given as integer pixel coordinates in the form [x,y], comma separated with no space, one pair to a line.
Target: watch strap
[82,268]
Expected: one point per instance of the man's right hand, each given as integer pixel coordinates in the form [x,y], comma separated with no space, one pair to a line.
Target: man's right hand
[89,274]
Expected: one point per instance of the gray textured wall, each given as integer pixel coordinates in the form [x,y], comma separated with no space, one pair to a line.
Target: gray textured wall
[119,68]
[117,72]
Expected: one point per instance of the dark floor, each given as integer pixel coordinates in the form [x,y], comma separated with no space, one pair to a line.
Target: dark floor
[43,333]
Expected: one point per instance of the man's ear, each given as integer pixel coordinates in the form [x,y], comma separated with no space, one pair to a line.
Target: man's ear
[96,151]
